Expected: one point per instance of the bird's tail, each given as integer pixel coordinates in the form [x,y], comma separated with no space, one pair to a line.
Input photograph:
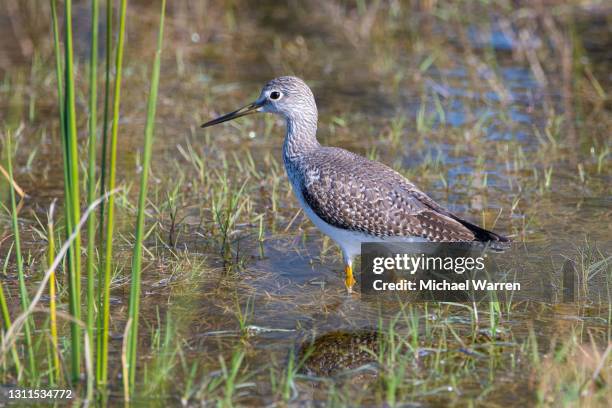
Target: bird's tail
[494,241]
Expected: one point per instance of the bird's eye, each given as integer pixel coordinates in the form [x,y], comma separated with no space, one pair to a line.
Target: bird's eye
[274,95]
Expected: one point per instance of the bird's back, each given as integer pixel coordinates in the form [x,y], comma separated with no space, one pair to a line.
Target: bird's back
[351,192]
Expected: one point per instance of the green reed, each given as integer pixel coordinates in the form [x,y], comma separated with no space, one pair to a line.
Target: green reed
[66,103]
[91,171]
[107,82]
[142,198]
[104,307]
[66,92]
[56,369]
[72,196]
[58,67]
[67,184]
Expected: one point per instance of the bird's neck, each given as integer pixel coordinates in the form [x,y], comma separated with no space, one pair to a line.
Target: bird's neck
[301,135]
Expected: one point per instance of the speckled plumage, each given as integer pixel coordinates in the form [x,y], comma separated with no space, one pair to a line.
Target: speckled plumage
[348,197]
[338,351]
[350,192]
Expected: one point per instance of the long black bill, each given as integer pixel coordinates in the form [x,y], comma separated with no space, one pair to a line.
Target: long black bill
[245,110]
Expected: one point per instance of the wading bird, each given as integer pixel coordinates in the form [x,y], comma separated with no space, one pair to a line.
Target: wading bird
[348,197]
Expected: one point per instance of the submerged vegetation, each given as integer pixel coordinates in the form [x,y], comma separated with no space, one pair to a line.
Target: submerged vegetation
[180,270]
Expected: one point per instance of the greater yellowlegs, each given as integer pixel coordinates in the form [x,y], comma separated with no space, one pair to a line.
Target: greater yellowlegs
[348,197]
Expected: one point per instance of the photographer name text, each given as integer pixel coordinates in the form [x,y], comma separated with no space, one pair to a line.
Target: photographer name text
[444,285]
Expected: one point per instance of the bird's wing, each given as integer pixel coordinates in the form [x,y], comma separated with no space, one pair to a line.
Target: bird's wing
[351,192]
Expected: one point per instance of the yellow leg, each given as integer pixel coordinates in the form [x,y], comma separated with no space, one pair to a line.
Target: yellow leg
[350,281]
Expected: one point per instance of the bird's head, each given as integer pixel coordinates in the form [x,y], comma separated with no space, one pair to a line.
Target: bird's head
[287,96]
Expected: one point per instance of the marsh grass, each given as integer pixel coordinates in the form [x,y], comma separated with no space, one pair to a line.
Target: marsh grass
[23,292]
[66,95]
[92,180]
[56,370]
[133,313]
[6,319]
[72,192]
[104,290]
[222,233]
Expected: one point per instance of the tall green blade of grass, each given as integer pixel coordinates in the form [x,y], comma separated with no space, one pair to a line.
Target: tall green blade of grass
[60,98]
[107,85]
[23,292]
[108,50]
[132,340]
[6,318]
[74,215]
[91,173]
[58,69]
[104,310]
[56,368]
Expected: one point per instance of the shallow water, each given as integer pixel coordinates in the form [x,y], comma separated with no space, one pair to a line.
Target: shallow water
[456,102]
